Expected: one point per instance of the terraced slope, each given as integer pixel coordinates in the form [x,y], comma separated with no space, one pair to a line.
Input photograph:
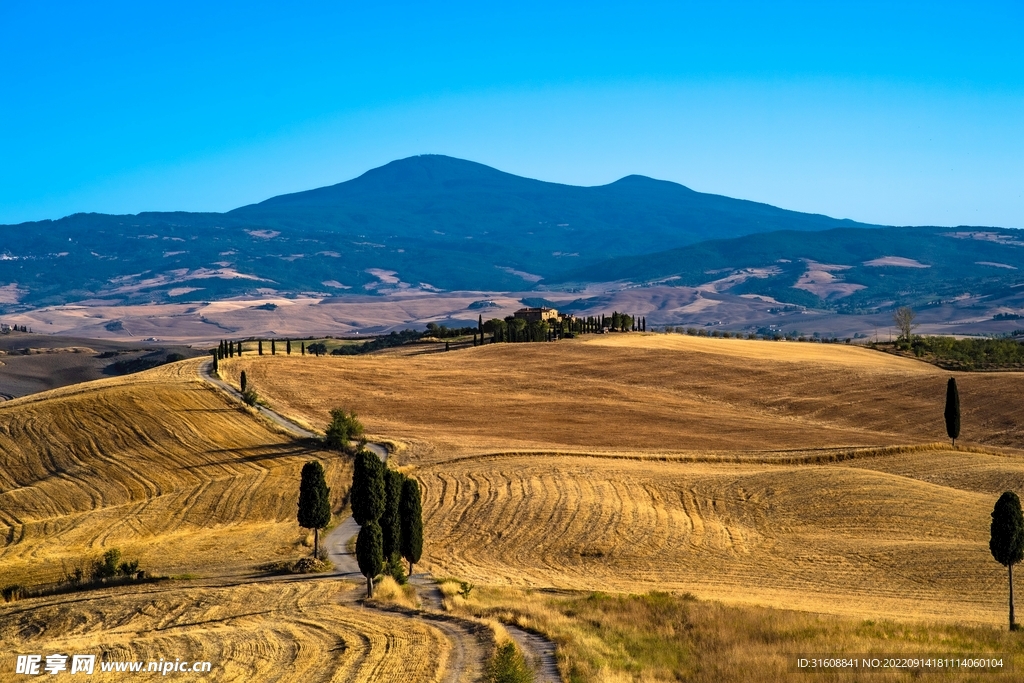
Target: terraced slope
[281,631]
[159,464]
[656,394]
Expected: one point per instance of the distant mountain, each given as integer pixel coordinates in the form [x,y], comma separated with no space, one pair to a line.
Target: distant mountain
[847,270]
[427,222]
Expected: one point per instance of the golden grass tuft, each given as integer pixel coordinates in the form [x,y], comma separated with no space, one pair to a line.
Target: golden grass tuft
[388,591]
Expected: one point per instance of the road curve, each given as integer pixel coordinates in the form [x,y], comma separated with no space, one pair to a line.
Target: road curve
[466,658]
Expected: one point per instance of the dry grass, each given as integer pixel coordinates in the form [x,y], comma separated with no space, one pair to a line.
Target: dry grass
[639,394]
[663,637]
[280,631]
[903,536]
[388,591]
[726,468]
[159,465]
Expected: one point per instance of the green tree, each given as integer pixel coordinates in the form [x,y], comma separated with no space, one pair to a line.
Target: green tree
[952,412]
[343,429]
[288,346]
[411,511]
[242,381]
[303,348]
[260,347]
[273,347]
[391,520]
[367,495]
[370,553]
[314,501]
[508,666]
[1007,543]
[215,363]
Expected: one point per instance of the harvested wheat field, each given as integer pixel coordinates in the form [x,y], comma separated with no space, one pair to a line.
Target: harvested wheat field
[639,394]
[794,475]
[160,465]
[850,538]
[295,630]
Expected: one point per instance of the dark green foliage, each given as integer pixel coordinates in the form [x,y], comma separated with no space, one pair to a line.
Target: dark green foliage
[242,381]
[952,411]
[288,347]
[250,397]
[303,348]
[1007,540]
[273,347]
[384,342]
[1007,543]
[410,509]
[314,501]
[968,354]
[391,520]
[508,666]
[260,347]
[318,348]
[174,357]
[106,568]
[369,553]
[215,363]
[343,429]
[368,495]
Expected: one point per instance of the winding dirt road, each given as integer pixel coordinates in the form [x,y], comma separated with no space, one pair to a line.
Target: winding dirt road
[470,640]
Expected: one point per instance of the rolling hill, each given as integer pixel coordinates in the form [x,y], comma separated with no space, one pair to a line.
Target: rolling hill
[422,223]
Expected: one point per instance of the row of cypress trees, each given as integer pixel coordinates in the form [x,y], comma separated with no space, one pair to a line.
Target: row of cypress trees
[387,507]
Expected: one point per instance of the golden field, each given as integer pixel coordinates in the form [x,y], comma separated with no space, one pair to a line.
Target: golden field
[756,475]
[293,630]
[804,476]
[160,465]
[653,394]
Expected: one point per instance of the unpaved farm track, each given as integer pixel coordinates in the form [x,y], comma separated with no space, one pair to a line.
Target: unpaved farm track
[469,642]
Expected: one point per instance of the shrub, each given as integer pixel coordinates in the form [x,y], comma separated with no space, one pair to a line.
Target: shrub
[11,593]
[106,567]
[508,666]
[692,331]
[250,397]
[344,428]
[309,565]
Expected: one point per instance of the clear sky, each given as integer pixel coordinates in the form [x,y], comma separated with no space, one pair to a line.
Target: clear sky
[888,112]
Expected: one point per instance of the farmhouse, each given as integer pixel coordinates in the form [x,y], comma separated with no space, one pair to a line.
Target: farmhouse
[536,315]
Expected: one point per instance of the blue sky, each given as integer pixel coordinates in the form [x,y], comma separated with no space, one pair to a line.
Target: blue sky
[897,113]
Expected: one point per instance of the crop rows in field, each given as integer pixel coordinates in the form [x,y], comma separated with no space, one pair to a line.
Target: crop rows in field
[158,464]
[281,631]
[902,536]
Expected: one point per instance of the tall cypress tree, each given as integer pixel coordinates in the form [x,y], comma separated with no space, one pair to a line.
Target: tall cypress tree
[952,412]
[314,501]
[273,347]
[370,553]
[1007,542]
[367,496]
[260,347]
[391,520]
[242,381]
[411,512]
[288,347]
[303,348]
[215,367]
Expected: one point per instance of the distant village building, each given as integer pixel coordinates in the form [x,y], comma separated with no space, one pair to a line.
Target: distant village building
[536,315]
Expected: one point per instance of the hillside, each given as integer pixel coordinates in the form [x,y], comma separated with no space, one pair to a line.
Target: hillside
[787,475]
[423,223]
[850,271]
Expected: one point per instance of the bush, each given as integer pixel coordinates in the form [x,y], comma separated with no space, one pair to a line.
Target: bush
[395,568]
[344,428]
[106,567]
[508,666]
[308,565]
[250,397]
[11,593]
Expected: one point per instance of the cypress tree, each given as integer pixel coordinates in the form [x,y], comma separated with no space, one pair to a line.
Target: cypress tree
[644,324]
[367,496]
[215,362]
[240,348]
[288,347]
[1007,543]
[303,348]
[411,511]
[241,381]
[952,412]
[273,347]
[391,520]
[314,501]
[260,347]
[370,553]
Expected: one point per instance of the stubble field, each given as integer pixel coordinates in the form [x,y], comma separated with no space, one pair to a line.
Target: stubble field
[792,475]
